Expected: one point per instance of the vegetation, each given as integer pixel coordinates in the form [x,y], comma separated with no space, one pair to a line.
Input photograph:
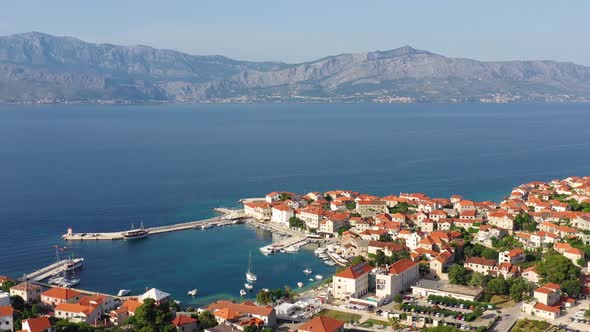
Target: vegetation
[263,297]
[284,196]
[469,317]
[351,205]
[447,300]
[206,319]
[295,222]
[506,243]
[441,329]
[524,221]
[380,259]
[342,229]
[342,316]
[558,269]
[7,285]
[459,275]
[478,250]
[526,325]
[150,317]
[401,207]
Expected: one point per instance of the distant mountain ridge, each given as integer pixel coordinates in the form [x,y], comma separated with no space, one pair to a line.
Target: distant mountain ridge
[36,67]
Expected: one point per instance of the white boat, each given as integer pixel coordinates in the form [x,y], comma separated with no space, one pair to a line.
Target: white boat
[266,290]
[69,282]
[266,250]
[55,280]
[251,277]
[300,284]
[74,263]
[323,256]
[242,292]
[206,226]
[329,263]
[123,292]
[310,279]
[292,248]
[135,233]
[307,271]
[177,302]
[319,276]
[248,286]
[320,250]
[192,292]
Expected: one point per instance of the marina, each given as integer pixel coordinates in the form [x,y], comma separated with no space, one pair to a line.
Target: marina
[228,217]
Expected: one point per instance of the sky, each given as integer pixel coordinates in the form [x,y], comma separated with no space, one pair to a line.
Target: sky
[302,30]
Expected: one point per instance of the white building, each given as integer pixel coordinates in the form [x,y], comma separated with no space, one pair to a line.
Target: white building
[352,282]
[281,214]
[6,318]
[77,313]
[258,209]
[396,279]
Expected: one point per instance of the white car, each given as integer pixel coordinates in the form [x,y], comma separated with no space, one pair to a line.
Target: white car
[580,314]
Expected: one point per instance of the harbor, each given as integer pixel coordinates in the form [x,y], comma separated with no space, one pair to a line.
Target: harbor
[227,217]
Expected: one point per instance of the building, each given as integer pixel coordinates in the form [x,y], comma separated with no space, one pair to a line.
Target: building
[103,303]
[480,265]
[258,209]
[397,278]
[4,299]
[40,324]
[531,275]
[155,294]
[281,214]
[547,302]
[370,208]
[513,256]
[425,288]
[126,310]
[77,313]
[311,215]
[28,291]
[57,295]
[352,282]
[242,314]
[6,318]
[185,324]
[322,324]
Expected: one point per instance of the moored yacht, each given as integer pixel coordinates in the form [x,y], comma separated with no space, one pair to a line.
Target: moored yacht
[123,292]
[308,271]
[242,292]
[134,233]
[251,277]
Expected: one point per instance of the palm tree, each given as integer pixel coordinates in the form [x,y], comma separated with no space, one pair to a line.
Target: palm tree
[394,323]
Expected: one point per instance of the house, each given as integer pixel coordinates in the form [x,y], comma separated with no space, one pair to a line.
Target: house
[77,313]
[513,256]
[480,264]
[6,318]
[464,205]
[126,310]
[502,219]
[28,291]
[574,254]
[311,215]
[322,324]
[397,278]
[370,208]
[281,213]
[547,304]
[531,275]
[103,303]
[185,324]
[240,314]
[388,248]
[155,294]
[352,282]
[57,295]
[258,209]
[40,324]
[426,287]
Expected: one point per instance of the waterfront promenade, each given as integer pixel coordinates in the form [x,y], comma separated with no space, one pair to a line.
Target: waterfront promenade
[228,217]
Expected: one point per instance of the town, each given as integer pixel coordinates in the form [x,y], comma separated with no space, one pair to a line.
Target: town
[406,262]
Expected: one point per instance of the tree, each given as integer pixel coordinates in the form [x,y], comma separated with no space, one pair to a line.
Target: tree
[519,288]
[250,328]
[557,269]
[394,323]
[295,222]
[397,298]
[498,286]
[207,320]
[263,297]
[459,275]
[385,238]
[351,205]
[7,285]
[524,221]
[342,229]
[476,279]
[18,303]
[571,287]
[284,196]
[401,207]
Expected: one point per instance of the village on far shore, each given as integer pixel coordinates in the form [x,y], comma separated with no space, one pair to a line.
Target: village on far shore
[406,262]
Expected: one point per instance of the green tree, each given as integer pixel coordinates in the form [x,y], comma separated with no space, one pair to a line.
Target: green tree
[18,303]
[284,196]
[263,297]
[7,285]
[385,238]
[295,222]
[524,221]
[397,298]
[459,275]
[556,268]
[498,286]
[571,287]
[394,323]
[351,205]
[206,319]
[477,279]
[519,288]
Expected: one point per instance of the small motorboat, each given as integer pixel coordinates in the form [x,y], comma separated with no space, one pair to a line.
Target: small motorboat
[300,284]
[242,292]
[307,271]
[319,276]
[310,279]
[192,292]
[266,290]
[177,302]
[123,292]
[249,286]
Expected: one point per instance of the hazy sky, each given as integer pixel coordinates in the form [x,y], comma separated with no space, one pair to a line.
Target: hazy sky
[301,30]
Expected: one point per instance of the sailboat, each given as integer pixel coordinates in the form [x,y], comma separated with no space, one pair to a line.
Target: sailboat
[251,277]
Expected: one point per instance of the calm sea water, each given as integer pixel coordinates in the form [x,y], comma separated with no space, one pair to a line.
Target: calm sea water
[100,168]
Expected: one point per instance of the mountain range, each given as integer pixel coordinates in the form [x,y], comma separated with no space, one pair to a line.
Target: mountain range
[37,68]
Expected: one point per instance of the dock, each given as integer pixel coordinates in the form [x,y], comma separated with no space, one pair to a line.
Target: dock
[46,272]
[229,217]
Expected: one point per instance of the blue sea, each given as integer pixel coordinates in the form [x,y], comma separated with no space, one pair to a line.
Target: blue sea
[101,168]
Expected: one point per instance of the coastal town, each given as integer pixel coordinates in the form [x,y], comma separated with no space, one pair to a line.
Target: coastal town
[405,262]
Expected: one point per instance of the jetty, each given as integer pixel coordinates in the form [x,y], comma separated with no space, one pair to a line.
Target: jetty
[229,217]
[46,272]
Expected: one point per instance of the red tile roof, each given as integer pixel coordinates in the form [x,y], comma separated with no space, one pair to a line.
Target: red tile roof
[183,320]
[322,324]
[38,324]
[355,271]
[6,311]
[401,266]
[61,293]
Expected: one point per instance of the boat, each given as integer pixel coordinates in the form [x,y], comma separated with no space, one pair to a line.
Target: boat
[206,226]
[307,271]
[329,263]
[192,292]
[242,292]
[68,282]
[251,277]
[123,292]
[55,280]
[319,276]
[323,256]
[292,248]
[177,302]
[320,250]
[266,290]
[74,263]
[134,233]
[248,286]
[300,284]
[310,279]
[266,250]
